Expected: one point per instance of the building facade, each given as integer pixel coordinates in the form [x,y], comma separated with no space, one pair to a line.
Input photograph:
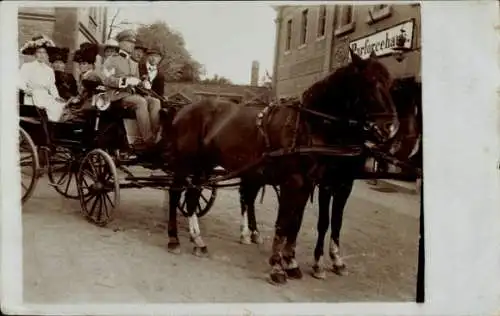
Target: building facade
[66,26]
[312,41]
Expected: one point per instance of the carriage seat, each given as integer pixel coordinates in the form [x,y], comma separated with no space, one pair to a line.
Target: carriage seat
[31,112]
[130,123]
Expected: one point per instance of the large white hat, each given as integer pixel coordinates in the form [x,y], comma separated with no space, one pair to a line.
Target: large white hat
[30,47]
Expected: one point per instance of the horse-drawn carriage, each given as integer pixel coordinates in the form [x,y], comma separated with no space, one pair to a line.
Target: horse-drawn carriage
[288,145]
[84,159]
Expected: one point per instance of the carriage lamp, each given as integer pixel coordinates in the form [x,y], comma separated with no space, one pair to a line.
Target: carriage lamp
[101,101]
[400,49]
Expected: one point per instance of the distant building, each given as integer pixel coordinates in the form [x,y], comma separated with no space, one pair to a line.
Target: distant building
[190,92]
[254,75]
[66,26]
[312,41]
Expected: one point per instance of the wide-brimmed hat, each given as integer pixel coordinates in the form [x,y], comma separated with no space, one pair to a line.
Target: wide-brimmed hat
[30,47]
[126,35]
[140,45]
[87,53]
[154,51]
[109,44]
[58,53]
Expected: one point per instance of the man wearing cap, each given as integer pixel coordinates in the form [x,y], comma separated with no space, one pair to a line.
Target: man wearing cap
[121,74]
[153,79]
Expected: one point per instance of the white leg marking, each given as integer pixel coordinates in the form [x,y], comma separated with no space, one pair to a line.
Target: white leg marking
[194,231]
[318,269]
[292,264]
[244,230]
[335,254]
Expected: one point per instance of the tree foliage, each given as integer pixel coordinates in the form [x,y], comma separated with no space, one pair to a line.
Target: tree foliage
[177,63]
[216,79]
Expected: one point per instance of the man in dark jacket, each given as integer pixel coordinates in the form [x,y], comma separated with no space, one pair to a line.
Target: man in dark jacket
[139,51]
[150,73]
[65,82]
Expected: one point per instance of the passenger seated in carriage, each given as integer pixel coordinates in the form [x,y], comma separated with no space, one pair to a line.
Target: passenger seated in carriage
[110,48]
[37,78]
[65,82]
[121,75]
[148,69]
[87,84]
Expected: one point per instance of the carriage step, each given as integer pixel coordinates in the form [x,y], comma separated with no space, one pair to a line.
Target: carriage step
[150,178]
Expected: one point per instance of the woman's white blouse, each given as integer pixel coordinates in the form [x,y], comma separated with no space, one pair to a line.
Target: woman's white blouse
[39,78]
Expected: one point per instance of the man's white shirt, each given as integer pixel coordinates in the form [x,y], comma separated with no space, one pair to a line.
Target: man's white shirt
[152,72]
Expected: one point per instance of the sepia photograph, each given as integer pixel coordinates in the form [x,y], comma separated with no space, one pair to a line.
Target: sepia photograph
[204,152]
[299,158]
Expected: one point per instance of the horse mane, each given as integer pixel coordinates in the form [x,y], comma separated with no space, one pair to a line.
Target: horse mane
[335,93]
[328,92]
[338,93]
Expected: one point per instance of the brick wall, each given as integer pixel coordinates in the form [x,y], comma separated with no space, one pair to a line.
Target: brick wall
[410,66]
[300,67]
[66,26]
[303,64]
[29,28]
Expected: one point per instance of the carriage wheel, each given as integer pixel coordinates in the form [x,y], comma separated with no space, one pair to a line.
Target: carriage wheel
[28,163]
[63,170]
[98,187]
[207,199]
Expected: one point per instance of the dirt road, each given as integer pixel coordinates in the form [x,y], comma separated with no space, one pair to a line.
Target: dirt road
[68,260]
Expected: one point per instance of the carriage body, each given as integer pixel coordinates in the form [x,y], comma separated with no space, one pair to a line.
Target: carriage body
[104,137]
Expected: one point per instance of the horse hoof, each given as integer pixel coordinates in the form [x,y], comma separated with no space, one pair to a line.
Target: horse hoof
[257,239]
[340,270]
[174,247]
[294,273]
[245,240]
[318,273]
[200,251]
[278,277]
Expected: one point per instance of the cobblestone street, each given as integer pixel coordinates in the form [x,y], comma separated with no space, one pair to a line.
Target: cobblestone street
[68,260]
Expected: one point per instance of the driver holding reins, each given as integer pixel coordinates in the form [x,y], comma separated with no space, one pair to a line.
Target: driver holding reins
[121,73]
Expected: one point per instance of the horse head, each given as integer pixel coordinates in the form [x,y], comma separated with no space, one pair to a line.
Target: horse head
[358,92]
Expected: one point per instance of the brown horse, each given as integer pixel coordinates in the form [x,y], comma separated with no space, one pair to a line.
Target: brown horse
[336,185]
[354,99]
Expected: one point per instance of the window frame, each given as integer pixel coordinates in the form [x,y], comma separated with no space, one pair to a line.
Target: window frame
[343,29]
[322,13]
[288,35]
[378,14]
[304,21]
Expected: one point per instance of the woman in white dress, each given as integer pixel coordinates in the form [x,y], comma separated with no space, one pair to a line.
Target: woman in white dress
[37,78]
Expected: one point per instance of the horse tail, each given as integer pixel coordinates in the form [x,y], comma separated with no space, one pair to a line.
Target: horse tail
[262,195]
[312,194]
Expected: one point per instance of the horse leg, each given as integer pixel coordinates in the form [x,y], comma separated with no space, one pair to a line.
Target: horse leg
[342,191]
[286,206]
[248,229]
[300,197]
[324,198]
[193,195]
[173,238]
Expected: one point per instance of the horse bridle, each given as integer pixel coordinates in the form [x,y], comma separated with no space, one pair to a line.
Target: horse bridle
[369,126]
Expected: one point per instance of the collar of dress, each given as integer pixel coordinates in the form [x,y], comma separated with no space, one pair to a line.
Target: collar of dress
[124,54]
